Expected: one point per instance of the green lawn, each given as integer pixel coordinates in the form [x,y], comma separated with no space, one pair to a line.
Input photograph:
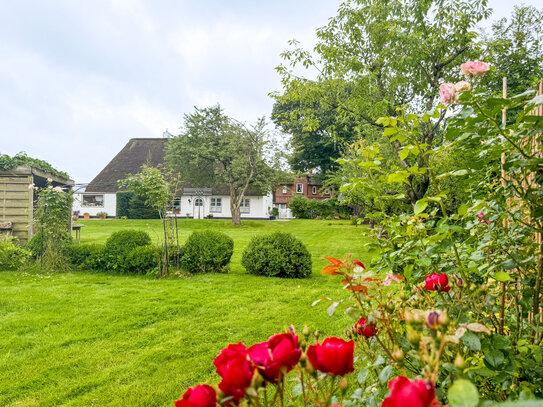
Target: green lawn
[92,339]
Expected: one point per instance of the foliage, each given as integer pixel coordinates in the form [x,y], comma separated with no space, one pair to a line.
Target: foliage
[514,50]
[207,251]
[158,191]
[133,206]
[277,255]
[53,217]
[305,208]
[122,203]
[274,211]
[120,244]
[375,57]
[485,325]
[313,148]
[216,150]
[7,163]
[12,256]
[142,259]
[88,256]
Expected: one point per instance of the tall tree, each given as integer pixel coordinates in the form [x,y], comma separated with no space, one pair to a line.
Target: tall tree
[375,56]
[314,147]
[215,150]
[514,50]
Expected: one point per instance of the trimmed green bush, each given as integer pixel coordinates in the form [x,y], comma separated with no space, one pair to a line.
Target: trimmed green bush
[12,256]
[305,208]
[120,244]
[138,210]
[86,256]
[142,259]
[207,251]
[277,255]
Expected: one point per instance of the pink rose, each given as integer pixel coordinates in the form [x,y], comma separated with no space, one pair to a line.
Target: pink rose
[474,68]
[447,93]
[462,86]
[481,216]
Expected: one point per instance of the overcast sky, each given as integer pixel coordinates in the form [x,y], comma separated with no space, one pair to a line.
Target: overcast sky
[78,79]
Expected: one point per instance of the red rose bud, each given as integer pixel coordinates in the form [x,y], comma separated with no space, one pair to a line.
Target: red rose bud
[416,393]
[334,356]
[235,370]
[202,395]
[437,282]
[365,328]
[276,357]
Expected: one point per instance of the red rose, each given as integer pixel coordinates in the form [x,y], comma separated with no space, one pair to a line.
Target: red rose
[276,357]
[334,356]
[437,282]
[365,329]
[202,395]
[235,370]
[418,393]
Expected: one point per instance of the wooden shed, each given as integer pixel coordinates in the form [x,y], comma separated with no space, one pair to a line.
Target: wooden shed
[18,198]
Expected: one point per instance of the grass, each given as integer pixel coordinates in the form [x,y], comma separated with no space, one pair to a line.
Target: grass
[92,339]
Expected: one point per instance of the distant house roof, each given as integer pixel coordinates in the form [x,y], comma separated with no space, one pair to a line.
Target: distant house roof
[129,160]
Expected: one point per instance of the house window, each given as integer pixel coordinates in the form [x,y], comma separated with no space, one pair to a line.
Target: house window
[216,205]
[93,201]
[198,202]
[299,188]
[245,204]
[326,192]
[284,189]
[177,205]
[314,190]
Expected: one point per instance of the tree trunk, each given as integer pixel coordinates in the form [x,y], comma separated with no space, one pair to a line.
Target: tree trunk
[236,211]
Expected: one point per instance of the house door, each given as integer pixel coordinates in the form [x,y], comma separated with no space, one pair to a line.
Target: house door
[198,208]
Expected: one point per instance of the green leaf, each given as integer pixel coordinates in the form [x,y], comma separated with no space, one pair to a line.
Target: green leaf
[462,210]
[508,264]
[380,360]
[494,359]
[389,131]
[501,276]
[472,341]
[385,374]
[404,153]
[420,206]
[459,172]
[363,375]
[463,394]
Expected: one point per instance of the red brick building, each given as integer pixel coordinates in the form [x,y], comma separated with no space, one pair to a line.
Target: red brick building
[303,186]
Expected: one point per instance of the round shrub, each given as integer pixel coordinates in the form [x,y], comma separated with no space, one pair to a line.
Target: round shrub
[142,259]
[279,255]
[207,251]
[86,256]
[119,244]
[12,256]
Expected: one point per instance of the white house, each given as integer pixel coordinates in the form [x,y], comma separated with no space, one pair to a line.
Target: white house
[101,193]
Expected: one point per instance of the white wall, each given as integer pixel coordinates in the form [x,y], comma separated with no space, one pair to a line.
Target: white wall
[110,205]
[258,207]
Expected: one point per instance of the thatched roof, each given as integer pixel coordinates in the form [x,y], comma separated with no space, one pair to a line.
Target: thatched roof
[129,160]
